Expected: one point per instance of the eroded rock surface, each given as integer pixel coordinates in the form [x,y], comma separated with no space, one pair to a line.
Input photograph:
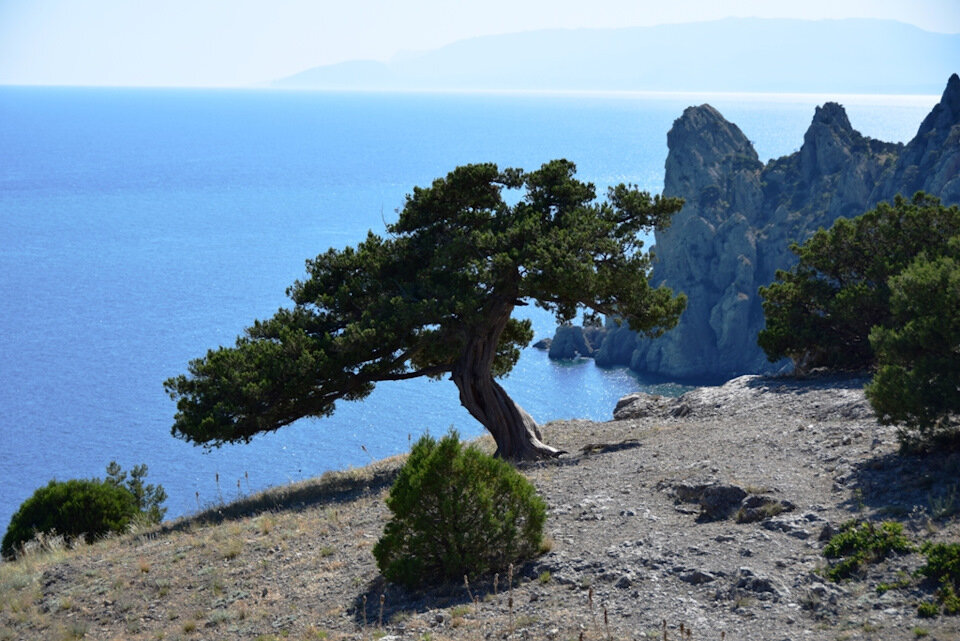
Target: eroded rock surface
[741,216]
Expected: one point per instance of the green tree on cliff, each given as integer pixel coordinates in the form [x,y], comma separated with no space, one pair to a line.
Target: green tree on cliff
[917,384]
[435,298]
[821,311]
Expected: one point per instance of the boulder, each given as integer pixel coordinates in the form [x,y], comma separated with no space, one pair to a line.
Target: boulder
[720,501]
[639,405]
[543,344]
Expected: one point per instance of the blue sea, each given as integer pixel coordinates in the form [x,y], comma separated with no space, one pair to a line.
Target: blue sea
[139,228]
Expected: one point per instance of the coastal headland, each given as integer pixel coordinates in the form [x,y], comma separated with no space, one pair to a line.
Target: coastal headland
[709,511]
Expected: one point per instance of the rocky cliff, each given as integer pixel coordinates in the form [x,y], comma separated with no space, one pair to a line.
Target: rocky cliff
[741,216]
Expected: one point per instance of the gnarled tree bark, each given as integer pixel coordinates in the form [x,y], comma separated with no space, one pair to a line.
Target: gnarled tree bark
[515,432]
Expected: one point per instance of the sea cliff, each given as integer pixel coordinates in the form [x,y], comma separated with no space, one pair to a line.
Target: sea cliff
[741,216]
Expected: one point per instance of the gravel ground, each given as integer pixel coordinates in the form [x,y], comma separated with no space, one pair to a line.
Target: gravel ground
[702,517]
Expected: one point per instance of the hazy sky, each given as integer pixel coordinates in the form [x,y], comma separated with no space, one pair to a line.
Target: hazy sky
[242,42]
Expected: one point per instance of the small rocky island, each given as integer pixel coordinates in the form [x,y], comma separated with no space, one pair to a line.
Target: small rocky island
[740,218]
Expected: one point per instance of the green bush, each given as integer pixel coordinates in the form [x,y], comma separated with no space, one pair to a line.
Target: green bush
[457,511]
[917,385]
[928,609]
[88,508]
[943,567]
[149,497]
[860,543]
[821,311]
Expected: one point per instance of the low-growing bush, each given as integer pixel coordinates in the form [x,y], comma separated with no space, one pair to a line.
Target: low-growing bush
[86,507]
[457,511]
[74,508]
[860,543]
[943,567]
[927,609]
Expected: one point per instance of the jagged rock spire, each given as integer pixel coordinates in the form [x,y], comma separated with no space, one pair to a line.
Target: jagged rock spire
[931,161]
[741,216]
[827,142]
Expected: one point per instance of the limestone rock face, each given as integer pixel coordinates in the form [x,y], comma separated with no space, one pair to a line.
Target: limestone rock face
[710,250]
[740,217]
[571,341]
[931,161]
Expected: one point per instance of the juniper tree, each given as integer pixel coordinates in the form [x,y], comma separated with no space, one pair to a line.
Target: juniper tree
[435,297]
[821,311]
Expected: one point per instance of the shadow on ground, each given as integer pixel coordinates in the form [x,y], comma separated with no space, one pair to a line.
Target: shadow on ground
[900,486]
[330,489]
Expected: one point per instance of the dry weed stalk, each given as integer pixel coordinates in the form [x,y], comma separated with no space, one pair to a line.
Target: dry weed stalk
[474,600]
[510,594]
[593,614]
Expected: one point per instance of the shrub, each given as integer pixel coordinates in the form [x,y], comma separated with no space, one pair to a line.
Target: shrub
[88,508]
[149,497]
[860,543]
[457,511]
[943,567]
[821,311]
[917,385]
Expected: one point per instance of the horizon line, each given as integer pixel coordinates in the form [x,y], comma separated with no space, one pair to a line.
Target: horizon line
[664,94]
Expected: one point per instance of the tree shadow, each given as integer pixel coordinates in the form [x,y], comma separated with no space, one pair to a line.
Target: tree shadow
[331,488]
[383,604]
[907,486]
[794,384]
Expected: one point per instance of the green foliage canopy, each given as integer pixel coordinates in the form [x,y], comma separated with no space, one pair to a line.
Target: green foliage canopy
[78,507]
[456,512]
[821,311]
[435,297]
[917,384]
[86,507]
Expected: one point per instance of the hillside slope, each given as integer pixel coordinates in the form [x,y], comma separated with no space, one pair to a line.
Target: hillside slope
[643,518]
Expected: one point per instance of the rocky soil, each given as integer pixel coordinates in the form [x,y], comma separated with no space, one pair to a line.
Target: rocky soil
[702,517]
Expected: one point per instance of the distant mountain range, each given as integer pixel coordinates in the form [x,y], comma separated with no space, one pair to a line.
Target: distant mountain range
[735,54]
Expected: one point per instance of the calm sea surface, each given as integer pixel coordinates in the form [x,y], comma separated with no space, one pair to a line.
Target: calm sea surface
[138,228]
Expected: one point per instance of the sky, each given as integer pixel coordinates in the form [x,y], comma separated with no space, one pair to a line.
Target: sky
[222,43]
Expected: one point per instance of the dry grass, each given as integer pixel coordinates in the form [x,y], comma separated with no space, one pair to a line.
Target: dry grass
[295,563]
[280,564]
[224,569]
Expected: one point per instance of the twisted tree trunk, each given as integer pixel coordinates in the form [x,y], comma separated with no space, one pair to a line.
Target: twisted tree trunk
[514,430]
